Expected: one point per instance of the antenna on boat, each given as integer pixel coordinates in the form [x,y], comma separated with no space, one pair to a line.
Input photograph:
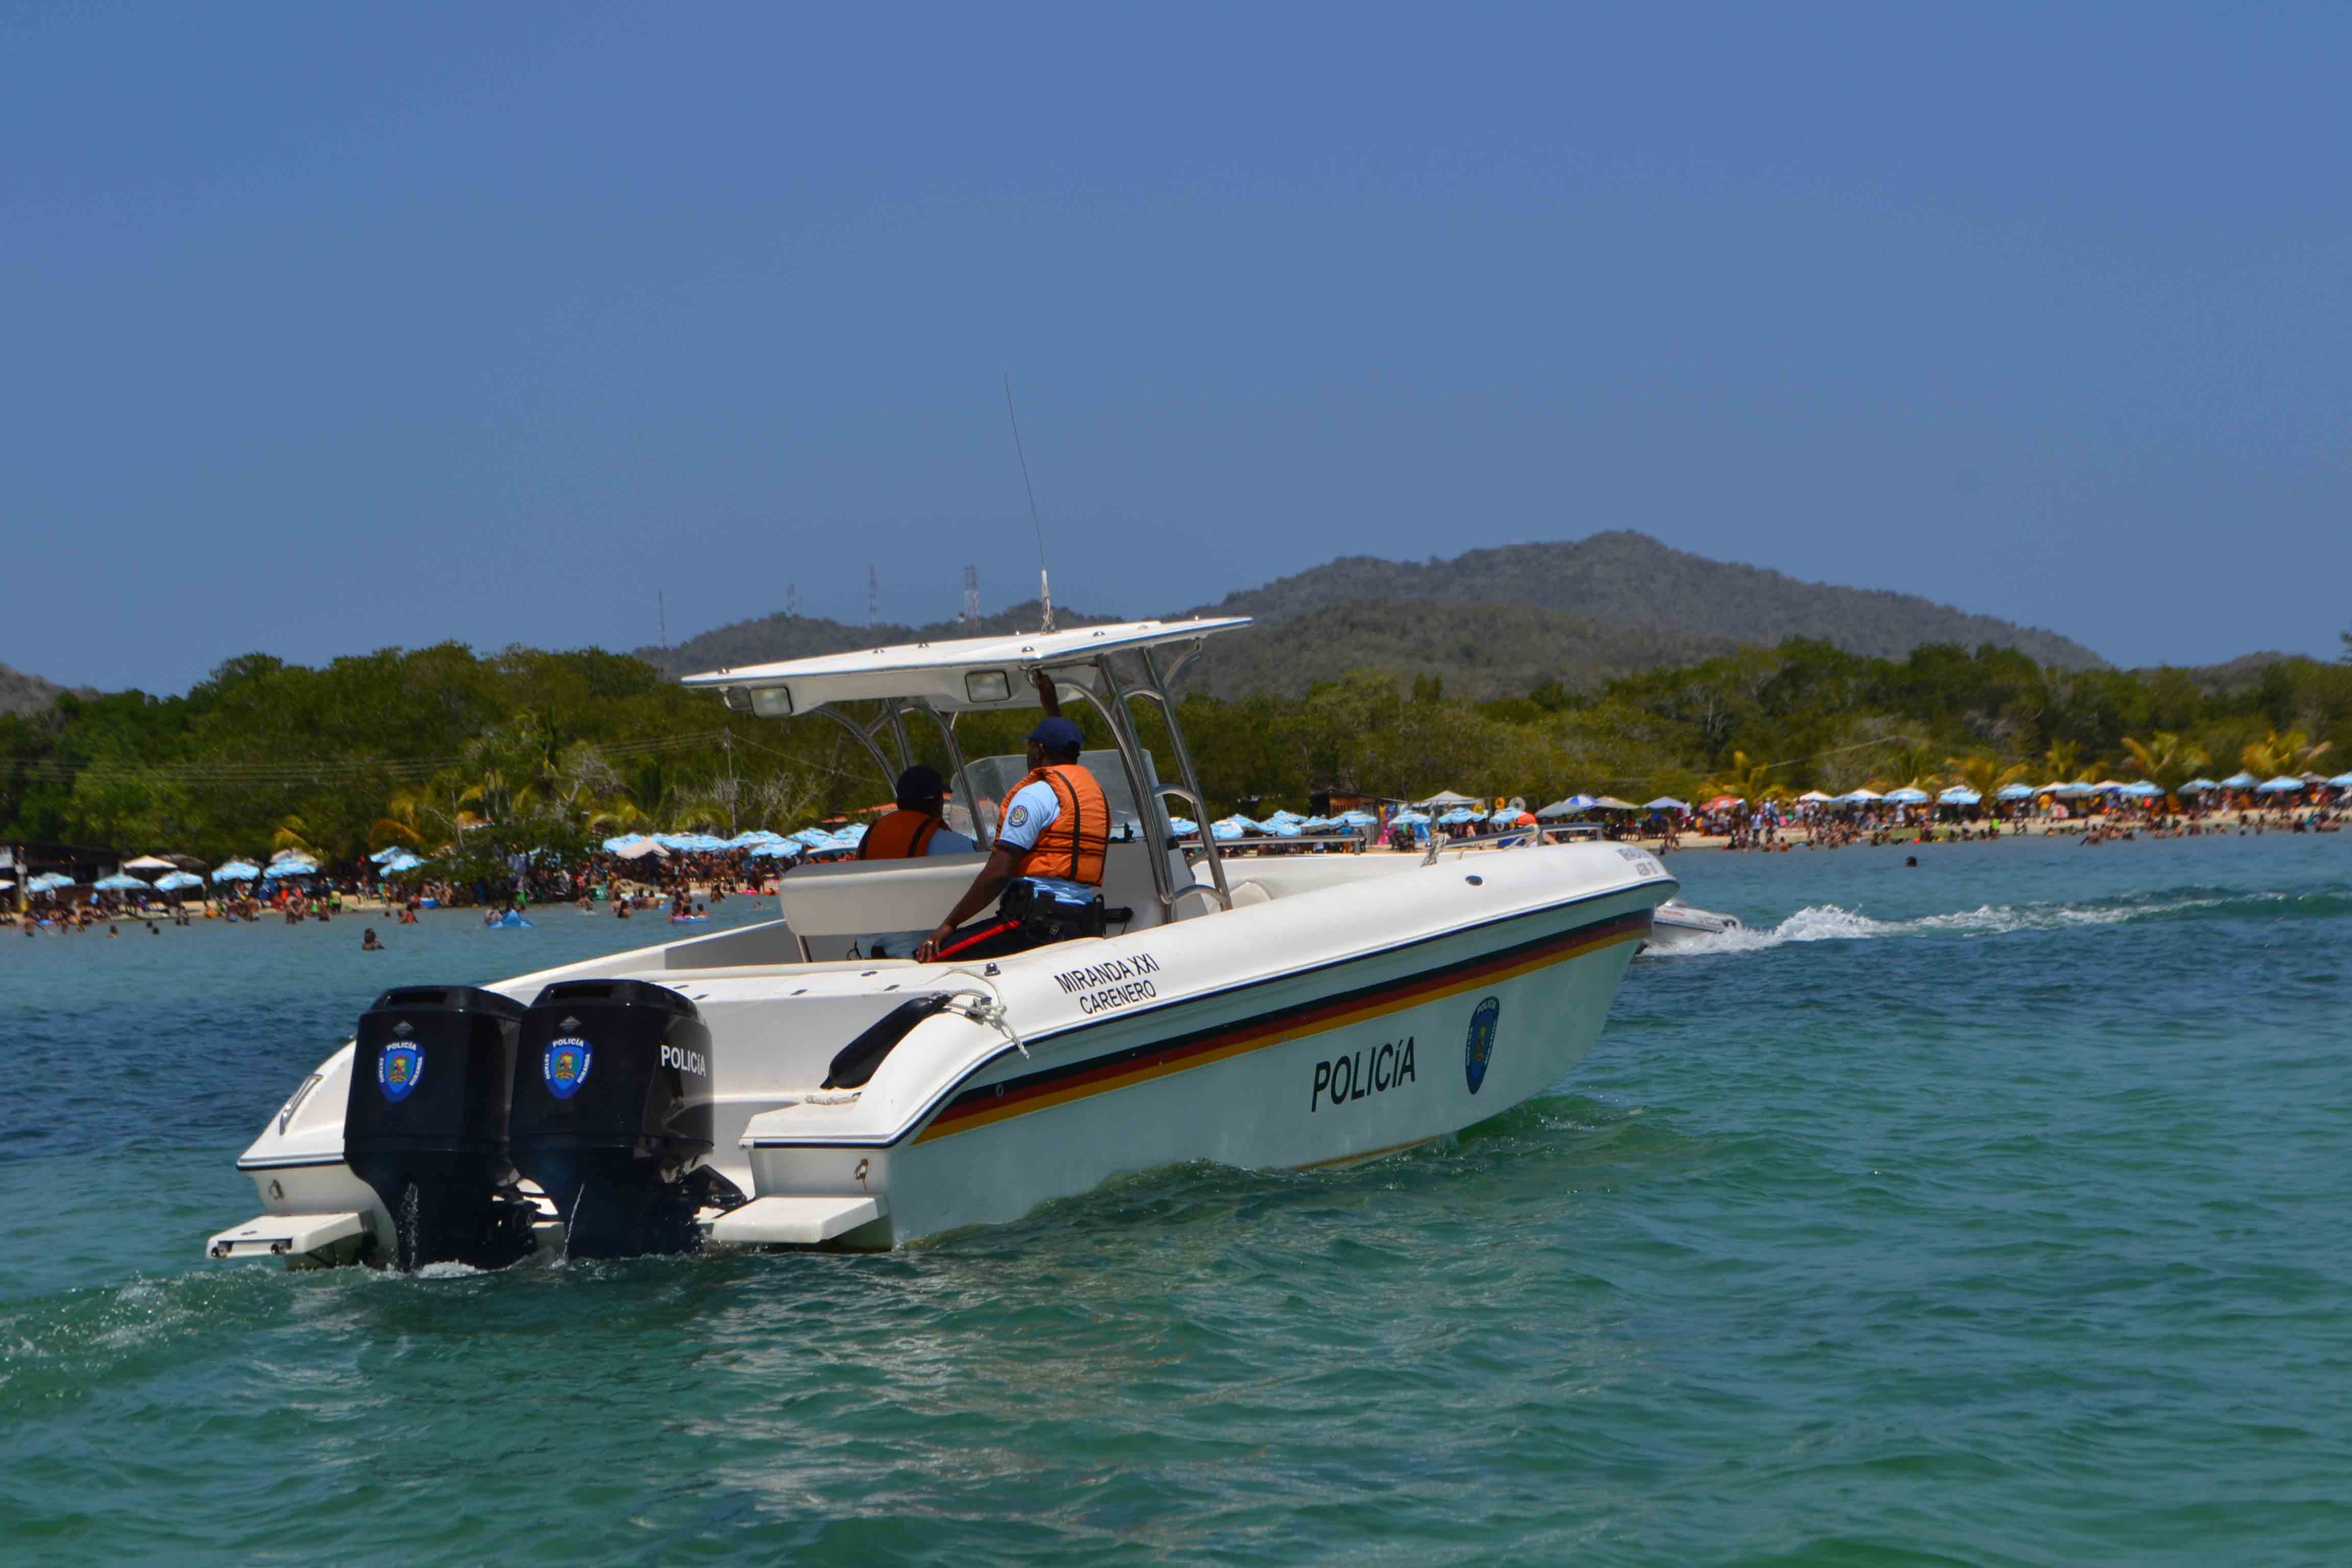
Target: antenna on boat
[1044,583]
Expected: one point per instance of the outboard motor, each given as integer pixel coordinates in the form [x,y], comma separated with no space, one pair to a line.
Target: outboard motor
[426,1122]
[610,1108]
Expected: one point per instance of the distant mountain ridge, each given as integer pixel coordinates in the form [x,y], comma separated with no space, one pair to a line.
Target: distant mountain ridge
[1493,622]
[1632,580]
[23,693]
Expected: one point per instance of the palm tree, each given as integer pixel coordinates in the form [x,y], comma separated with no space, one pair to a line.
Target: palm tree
[292,833]
[1985,774]
[1746,778]
[2166,759]
[2281,751]
[2064,761]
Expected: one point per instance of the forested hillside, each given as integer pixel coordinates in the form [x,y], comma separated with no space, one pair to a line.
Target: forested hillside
[1477,650]
[23,693]
[1490,621]
[442,749]
[1631,580]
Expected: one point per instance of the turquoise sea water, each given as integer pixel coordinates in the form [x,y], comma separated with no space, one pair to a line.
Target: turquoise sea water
[1992,1211]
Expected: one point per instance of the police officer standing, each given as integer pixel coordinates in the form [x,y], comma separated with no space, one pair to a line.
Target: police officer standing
[1056,824]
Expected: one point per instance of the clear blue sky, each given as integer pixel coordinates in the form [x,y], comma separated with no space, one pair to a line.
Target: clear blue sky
[334,327]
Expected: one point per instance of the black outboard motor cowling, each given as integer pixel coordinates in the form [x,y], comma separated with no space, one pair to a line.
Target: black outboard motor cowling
[426,1122]
[612,1106]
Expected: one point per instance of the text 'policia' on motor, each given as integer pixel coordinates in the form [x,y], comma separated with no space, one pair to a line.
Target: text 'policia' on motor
[597,1095]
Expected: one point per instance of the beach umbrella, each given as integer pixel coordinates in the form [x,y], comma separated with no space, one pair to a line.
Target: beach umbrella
[48,882]
[1960,795]
[1358,819]
[2240,780]
[2013,791]
[1282,816]
[2074,790]
[776,852]
[2198,787]
[1859,798]
[1445,798]
[1906,795]
[2142,790]
[390,852]
[621,845]
[2341,781]
[402,862]
[5,884]
[177,882]
[1611,802]
[149,863]
[2282,785]
[237,871]
[1665,803]
[121,882]
[1812,797]
[1410,820]
[1182,826]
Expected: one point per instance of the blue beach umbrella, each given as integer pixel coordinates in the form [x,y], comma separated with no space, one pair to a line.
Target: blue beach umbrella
[177,881]
[1360,819]
[121,882]
[2013,791]
[1668,802]
[1960,795]
[1456,818]
[1182,826]
[2240,780]
[2142,790]
[1906,795]
[2341,781]
[777,852]
[48,882]
[2282,785]
[2198,787]
[293,866]
[237,871]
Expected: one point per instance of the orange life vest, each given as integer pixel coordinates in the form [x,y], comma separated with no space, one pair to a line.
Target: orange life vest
[1074,843]
[903,834]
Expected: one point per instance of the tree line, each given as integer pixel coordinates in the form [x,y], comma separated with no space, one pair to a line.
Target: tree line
[526,748]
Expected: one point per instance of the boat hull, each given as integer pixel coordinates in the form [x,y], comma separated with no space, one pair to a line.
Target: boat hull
[1341,1062]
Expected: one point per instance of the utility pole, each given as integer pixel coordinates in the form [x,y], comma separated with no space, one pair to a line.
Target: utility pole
[971,596]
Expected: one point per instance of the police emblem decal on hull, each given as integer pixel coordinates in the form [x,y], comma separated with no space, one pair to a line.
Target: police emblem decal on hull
[1480,1047]
[565,1066]
[397,1071]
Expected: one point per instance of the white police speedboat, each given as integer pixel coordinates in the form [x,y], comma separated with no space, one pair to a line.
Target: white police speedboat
[772,1087]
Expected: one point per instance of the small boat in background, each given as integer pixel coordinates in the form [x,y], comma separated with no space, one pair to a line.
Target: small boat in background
[1674,924]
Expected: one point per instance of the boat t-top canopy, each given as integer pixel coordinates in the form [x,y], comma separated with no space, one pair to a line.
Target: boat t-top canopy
[937,681]
[967,673]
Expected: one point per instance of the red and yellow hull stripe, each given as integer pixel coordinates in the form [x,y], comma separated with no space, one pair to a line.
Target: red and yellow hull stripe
[1140,1064]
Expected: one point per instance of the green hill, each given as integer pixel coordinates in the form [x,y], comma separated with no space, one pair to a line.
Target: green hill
[1479,650]
[1491,622]
[1631,580]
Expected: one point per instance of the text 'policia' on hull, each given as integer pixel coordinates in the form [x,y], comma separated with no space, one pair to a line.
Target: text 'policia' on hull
[772,1087]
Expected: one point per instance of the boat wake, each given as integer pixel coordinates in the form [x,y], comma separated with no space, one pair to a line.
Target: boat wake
[1830,922]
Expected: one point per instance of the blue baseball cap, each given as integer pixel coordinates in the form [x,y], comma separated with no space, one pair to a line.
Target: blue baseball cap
[1057,733]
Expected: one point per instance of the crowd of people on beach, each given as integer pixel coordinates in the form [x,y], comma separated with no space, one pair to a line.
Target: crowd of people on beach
[687,887]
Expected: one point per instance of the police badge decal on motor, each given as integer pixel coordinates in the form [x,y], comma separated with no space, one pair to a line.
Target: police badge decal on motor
[1480,1047]
[565,1066]
[397,1071]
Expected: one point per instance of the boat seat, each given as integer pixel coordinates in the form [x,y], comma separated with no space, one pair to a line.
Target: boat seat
[859,897]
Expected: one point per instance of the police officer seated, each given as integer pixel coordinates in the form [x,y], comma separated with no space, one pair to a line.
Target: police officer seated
[1047,862]
[915,829]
